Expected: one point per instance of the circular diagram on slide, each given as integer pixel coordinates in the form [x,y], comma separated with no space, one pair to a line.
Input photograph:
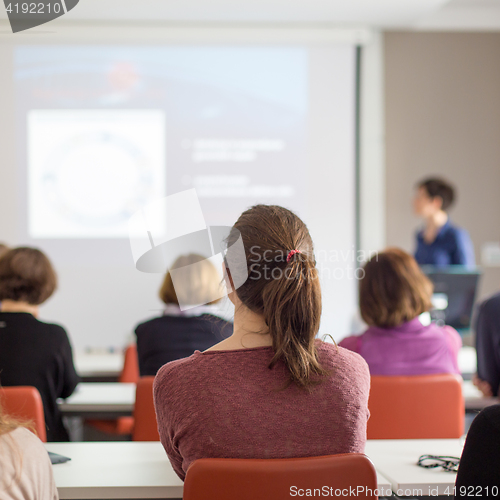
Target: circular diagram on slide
[97,179]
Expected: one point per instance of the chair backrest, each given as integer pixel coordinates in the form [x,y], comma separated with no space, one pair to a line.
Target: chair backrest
[280,479]
[416,407]
[24,403]
[130,371]
[145,426]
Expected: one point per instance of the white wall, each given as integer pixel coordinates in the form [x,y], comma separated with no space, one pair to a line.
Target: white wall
[443,118]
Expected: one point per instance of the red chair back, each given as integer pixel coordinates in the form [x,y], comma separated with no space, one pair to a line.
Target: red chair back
[24,403]
[279,479]
[130,372]
[145,426]
[416,407]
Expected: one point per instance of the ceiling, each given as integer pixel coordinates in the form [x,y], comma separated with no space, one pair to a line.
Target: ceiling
[390,14]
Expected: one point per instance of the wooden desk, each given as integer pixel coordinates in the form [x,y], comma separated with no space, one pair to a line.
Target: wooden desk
[120,470]
[107,400]
[397,460]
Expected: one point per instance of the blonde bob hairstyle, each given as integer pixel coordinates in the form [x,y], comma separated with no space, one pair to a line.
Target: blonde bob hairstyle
[195,284]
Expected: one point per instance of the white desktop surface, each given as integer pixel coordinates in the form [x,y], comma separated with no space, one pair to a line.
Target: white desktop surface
[100,397]
[119,470]
[115,470]
[98,364]
[397,460]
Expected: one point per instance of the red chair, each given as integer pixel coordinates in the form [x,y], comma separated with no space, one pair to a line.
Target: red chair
[416,407]
[24,403]
[279,479]
[130,371]
[145,425]
[130,374]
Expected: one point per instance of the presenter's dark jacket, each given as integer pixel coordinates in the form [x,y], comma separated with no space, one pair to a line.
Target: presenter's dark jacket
[176,335]
[487,328]
[452,247]
[38,354]
[479,469]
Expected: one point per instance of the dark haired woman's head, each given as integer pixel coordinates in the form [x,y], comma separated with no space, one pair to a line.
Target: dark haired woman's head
[26,275]
[282,287]
[393,290]
[432,195]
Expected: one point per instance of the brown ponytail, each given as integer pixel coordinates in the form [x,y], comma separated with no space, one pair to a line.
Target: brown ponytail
[286,294]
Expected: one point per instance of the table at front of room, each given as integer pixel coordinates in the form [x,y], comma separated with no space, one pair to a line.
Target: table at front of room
[122,470]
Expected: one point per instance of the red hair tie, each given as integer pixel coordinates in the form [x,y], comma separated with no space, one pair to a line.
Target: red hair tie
[291,254]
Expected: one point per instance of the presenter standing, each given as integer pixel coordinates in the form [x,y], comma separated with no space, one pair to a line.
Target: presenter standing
[440,243]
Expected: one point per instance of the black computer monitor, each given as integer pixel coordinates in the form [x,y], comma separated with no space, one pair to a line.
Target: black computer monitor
[454,294]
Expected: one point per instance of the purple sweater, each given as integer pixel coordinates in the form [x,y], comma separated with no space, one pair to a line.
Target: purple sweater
[229,404]
[408,349]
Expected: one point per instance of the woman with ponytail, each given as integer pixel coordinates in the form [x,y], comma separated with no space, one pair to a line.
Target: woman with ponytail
[270,390]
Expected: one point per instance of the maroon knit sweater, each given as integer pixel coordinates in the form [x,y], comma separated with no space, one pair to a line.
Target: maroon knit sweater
[229,404]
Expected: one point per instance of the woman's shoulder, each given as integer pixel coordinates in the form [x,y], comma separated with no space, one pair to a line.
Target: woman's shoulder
[53,331]
[30,446]
[25,439]
[51,327]
[336,357]
[178,369]
[37,476]
[152,322]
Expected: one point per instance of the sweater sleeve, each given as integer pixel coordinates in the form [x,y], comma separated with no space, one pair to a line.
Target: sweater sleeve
[164,417]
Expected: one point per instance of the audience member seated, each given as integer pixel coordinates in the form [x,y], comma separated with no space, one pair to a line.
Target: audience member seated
[440,243]
[179,332]
[271,390]
[393,293]
[478,472]
[32,352]
[25,468]
[487,328]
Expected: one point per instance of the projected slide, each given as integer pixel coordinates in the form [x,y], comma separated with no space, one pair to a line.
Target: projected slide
[90,170]
[110,128]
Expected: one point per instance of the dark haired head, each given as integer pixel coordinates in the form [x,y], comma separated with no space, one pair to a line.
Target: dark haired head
[26,275]
[286,294]
[439,188]
[393,289]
